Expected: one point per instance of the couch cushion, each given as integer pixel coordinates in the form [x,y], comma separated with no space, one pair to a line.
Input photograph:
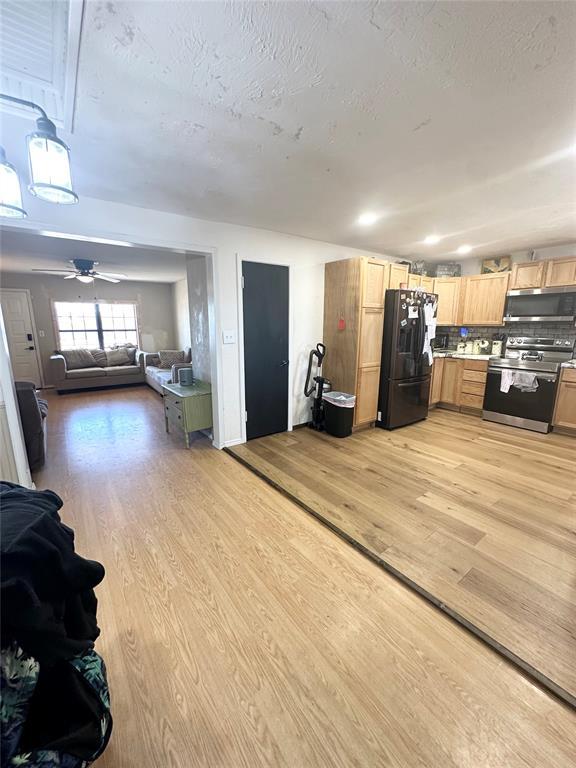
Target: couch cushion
[99,356]
[170,356]
[122,370]
[85,373]
[78,358]
[130,349]
[117,357]
[159,375]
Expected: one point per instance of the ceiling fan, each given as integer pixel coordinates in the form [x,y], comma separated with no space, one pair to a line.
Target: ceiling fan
[84,271]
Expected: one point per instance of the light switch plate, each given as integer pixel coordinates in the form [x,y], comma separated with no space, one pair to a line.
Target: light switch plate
[228,337]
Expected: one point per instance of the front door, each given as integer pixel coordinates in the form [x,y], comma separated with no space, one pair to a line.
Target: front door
[17,314]
[266,336]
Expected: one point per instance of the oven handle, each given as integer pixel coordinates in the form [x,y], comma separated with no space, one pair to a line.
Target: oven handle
[539,374]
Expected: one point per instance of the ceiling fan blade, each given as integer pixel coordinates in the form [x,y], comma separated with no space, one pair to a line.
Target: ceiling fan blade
[98,276]
[70,277]
[113,274]
[53,271]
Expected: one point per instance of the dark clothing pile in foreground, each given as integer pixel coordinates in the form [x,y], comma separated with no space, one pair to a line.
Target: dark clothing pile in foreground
[55,703]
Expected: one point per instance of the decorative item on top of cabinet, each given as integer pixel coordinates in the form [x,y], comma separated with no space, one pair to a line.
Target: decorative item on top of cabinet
[528,274]
[560,272]
[421,281]
[565,409]
[484,299]
[398,275]
[353,323]
[448,291]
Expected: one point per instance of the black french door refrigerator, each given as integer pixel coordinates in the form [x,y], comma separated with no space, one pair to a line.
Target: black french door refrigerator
[406,366]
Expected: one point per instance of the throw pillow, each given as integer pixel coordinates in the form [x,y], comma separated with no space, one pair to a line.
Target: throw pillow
[130,348]
[170,356]
[117,357]
[99,356]
[78,358]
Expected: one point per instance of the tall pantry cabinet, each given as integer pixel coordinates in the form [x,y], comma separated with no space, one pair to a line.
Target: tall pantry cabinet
[353,323]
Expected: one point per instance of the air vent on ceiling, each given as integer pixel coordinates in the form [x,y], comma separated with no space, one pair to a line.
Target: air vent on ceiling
[40,41]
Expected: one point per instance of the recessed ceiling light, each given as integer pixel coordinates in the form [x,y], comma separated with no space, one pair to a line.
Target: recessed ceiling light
[464,249]
[368,218]
[432,239]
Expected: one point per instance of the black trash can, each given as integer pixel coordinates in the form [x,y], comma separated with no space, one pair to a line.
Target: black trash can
[339,413]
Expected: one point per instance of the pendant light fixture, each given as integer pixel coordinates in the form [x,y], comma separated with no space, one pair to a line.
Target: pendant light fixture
[49,161]
[10,193]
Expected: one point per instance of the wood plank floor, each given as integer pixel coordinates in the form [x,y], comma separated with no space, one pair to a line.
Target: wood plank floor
[239,632]
[480,516]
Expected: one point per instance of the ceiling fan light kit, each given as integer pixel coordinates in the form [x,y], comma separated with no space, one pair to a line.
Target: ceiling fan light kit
[49,161]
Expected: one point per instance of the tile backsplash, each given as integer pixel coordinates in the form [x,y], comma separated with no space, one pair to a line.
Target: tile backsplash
[543,330]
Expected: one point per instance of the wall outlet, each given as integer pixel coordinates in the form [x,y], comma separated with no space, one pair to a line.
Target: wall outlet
[228,337]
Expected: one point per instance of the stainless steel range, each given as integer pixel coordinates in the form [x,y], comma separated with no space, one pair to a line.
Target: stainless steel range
[521,387]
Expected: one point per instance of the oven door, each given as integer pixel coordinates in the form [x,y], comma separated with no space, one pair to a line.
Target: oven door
[531,410]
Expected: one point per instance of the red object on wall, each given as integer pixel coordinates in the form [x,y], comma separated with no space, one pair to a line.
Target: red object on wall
[341,324]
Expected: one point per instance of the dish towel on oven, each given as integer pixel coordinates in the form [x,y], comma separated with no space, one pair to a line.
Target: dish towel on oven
[522,380]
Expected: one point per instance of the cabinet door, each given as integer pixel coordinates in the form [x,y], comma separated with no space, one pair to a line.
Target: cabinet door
[375,284]
[448,291]
[427,284]
[367,395]
[398,274]
[451,378]
[561,272]
[436,387]
[413,280]
[565,410]
[484,299]
[528,275]
[371,327]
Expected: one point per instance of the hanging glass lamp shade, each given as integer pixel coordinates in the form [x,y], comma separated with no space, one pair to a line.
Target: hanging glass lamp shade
[10,193]
[50,177]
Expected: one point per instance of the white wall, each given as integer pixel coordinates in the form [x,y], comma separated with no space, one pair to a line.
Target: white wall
[227,243]
[181,313]
[155,312]
[199,316]
[474,266]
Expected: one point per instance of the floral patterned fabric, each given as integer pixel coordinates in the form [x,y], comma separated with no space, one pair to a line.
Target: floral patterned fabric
[18,678]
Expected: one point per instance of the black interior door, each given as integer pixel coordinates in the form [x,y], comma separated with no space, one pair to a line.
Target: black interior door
[266,324]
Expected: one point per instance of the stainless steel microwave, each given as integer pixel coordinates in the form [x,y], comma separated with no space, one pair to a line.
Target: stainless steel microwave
[541,304]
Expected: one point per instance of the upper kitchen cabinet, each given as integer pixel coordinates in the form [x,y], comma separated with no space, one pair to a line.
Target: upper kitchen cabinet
[398,274]
[448,292]
[484,299]
[526,275]
[376,278]
[560,272]
[421,281]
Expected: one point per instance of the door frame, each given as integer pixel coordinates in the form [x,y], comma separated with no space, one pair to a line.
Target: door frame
[240,292]
[34,330]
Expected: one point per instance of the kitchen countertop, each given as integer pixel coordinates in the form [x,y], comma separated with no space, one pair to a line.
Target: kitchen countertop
[569,364]
[463,356]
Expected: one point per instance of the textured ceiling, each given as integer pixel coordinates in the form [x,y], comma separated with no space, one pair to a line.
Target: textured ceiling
[22,251]
[450,117]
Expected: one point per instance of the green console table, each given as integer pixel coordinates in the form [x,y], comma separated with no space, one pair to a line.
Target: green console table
[188,409]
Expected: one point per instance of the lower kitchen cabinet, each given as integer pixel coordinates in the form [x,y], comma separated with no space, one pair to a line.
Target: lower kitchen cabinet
[450,387]
[459,383]
[367,395]
[436,384]
[565,410]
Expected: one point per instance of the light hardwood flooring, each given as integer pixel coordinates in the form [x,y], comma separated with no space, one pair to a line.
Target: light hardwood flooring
[239,632]
[480,516]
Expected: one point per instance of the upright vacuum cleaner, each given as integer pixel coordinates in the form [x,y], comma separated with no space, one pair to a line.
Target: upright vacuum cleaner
[316,386]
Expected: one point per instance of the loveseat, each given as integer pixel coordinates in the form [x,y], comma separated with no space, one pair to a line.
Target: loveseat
[156,375]
[84,368]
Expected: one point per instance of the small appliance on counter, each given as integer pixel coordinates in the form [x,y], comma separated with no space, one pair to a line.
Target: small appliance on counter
[186,377]
[441,342]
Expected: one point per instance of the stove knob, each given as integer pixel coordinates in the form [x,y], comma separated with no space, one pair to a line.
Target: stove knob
[567,343]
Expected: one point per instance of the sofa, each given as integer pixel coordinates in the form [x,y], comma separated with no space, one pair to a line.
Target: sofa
[33,412]
[85,369]
[156,376]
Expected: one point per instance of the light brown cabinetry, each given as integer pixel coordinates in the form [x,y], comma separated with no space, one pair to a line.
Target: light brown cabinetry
[473,383]
[398,275]
[448,292]
[450,387]
[565,409]
[560,272]
[421,281]
[484,299]
[436,383]
[526,275]
[353,324]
